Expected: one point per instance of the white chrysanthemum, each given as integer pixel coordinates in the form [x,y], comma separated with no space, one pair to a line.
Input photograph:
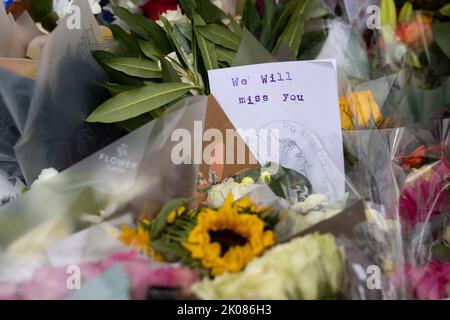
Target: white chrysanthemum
[311,267]
[218,193]
[314,201]
[174,16]
[45,175]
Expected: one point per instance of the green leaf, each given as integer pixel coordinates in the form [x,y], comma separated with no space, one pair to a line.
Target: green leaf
[226,55]
[188,7]
[406,13]
[207,48]
[114,88]
[209,12]
[251,19]
[283,19]
[388,12]
[144,27]
[185,29]
[269,12]
[445,10]
[128,43]
[168,72]
[160,222]
[133,124]
[131,20]
[220,35]
[176,41]
[293,33]
[116,76]
[133,103]
[135,67]
[236,27]
[150,50]
[441,31]
[182,41]
[208,51]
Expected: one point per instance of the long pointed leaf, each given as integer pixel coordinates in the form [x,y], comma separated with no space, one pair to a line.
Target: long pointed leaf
[116,76]
[135,67]
[144,27]
[225,55]
[175,42]
[128,43]
[209,12]
[236,27]
[115,89]
[220,35]
[168,72]
[150,50]
[133,103]
[207,48]
[293,33]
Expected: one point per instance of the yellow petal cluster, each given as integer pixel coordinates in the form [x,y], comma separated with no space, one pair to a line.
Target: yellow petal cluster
[248,226]
[359,110]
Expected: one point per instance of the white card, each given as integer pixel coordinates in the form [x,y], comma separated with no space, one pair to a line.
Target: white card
[298,104]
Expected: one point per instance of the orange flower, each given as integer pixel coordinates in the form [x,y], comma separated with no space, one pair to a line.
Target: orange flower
[416,33]
[419,156]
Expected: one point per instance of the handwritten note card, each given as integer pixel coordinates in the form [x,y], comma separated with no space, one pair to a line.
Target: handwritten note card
[294,103]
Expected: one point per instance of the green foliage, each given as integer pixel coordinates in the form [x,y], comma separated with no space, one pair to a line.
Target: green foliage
[172,59]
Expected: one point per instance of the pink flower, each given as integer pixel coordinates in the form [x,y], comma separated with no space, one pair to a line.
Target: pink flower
[49,283]
[431,282]
[424,196]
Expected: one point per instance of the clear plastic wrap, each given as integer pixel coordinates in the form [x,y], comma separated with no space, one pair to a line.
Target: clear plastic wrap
[15,96]
[71,218]
[407,171]
[56,134]
[130,178]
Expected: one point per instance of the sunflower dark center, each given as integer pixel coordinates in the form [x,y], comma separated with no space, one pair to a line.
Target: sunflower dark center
[227,239]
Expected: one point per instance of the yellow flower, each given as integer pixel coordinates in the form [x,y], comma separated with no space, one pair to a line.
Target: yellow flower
[138,240]
[359,110]
[266,177]
[247,181]
[245,205]
[175,213]
[225,240]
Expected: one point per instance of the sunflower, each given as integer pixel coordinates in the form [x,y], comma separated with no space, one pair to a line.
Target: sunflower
[225,240]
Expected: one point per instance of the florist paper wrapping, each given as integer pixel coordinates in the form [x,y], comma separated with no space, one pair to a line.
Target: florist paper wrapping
[56,134]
